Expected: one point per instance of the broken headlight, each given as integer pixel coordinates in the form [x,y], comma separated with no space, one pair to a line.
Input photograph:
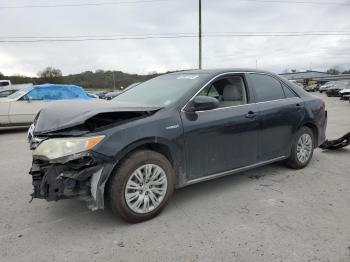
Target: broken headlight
[55,148]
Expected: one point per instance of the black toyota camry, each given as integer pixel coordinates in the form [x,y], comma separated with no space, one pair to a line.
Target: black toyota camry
[172,131]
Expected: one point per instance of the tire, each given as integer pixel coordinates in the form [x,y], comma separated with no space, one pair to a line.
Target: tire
[296,161]
[118,186]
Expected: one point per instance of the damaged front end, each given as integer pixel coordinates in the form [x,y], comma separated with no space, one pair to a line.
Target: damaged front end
[80,175]
[64,138]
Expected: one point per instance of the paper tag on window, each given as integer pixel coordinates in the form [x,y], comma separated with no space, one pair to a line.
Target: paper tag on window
[191,77]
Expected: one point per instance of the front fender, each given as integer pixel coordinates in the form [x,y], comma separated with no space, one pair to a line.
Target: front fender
[4,113]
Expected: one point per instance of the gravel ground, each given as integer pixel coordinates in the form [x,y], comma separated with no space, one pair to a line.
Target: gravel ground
[268,214]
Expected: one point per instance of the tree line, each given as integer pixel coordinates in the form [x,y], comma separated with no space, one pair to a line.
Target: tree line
[104,80]
[100,79]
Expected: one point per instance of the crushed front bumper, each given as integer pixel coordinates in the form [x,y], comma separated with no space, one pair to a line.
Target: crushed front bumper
[82,178]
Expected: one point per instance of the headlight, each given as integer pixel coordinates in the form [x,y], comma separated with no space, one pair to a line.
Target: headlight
[60,147]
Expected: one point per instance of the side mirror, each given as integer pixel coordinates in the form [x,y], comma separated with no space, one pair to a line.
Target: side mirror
[29,99]
[202,103]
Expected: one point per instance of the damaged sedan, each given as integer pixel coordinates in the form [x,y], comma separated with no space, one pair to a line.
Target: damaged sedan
[172,131]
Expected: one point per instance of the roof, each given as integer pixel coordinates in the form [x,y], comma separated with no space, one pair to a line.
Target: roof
[304,75]
[215,72]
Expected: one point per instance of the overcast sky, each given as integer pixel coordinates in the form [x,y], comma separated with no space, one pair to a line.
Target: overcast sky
[273,53]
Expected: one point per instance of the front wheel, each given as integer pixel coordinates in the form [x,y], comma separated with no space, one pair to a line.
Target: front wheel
[141,186]
[302,149]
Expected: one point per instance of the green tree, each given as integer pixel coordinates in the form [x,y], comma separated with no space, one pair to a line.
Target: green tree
[1,76]
[333,71]
[50,75]
[346,71]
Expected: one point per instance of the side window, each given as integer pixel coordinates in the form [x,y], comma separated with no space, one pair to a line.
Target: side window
[230,91]
[210,91]
[36,94]
[43,93]
[289,93]
[4,83]
[266,88]
[6,93]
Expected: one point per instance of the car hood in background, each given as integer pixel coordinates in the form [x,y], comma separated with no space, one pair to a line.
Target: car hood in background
[61,115]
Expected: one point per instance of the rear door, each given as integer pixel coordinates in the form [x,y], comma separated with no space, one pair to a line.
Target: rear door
[281,112]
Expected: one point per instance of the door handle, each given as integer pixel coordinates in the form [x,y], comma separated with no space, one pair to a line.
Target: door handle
[250,114]
[299,106]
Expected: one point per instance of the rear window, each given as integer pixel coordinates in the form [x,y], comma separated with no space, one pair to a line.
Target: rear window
[289,93]
[266,87]
[4,83]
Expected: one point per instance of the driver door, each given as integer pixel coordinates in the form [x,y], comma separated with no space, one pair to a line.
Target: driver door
[225,138]
[24,110]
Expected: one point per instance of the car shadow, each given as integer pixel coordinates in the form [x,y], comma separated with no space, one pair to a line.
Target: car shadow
[229,182]
[340,151]
[105,219]
[5,131]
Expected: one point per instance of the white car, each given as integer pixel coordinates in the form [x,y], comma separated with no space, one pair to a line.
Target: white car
[20,108]
[345,94]
[5,84]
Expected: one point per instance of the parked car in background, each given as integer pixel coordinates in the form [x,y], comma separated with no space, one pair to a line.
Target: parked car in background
[338,86]
[92,95]
[111,95]
[169,132]
[101,94]
[323,88]
[345,93]
[20,108]
[5,84]
[310,88]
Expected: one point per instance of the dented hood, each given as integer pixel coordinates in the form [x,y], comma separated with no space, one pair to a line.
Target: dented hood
[61,115]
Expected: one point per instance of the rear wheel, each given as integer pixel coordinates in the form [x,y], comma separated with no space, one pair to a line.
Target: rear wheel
[141,186]
[302,149]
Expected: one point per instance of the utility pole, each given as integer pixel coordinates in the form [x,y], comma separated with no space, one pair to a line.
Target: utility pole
[113,80]
[200,35]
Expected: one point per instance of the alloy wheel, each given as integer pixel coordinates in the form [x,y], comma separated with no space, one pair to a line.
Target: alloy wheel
[146,188]
[304,148]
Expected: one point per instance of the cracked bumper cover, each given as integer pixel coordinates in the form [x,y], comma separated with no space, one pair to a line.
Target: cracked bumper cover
[82,178]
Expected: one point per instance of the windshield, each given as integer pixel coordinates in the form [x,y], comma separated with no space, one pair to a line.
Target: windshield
[18,94]
[161,91]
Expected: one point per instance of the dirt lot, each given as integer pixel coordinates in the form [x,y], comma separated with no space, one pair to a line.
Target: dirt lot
[269,214]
